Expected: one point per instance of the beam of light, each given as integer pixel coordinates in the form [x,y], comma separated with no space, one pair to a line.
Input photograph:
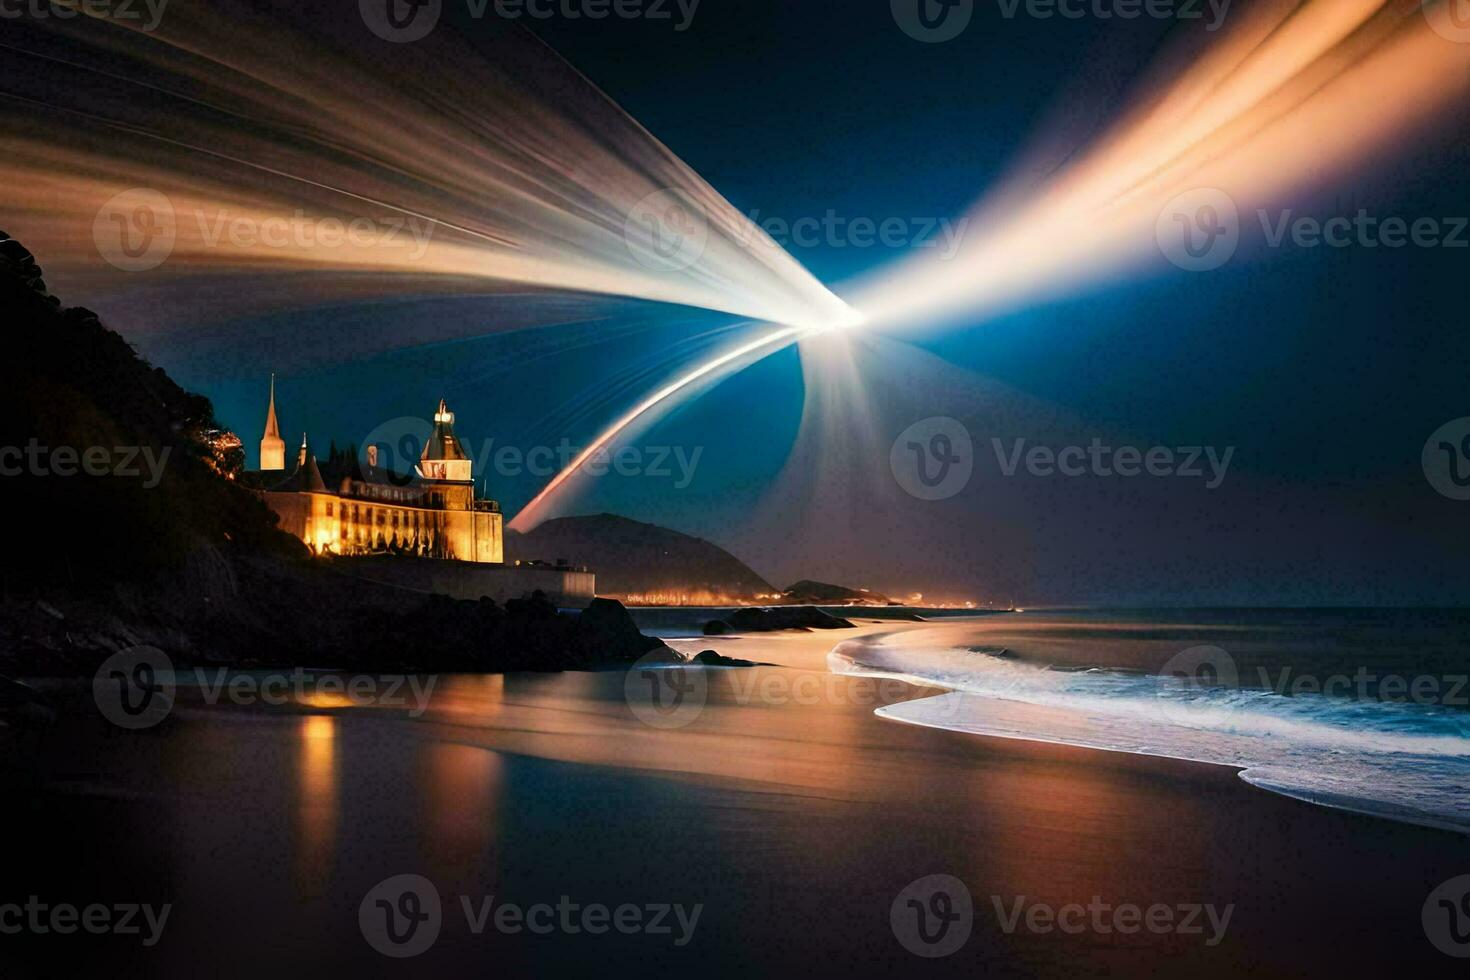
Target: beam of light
[272,139]
[254,111]
[1291,93]
[1296,90]
[763,346]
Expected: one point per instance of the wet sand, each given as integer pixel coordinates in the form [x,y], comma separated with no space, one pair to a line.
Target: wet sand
[783,807]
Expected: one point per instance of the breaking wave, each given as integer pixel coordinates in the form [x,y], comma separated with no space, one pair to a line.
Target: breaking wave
[1403,761]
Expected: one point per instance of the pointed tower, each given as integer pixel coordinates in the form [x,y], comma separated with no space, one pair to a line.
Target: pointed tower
[307,478]
[446,469]
[444,459]
[272,446]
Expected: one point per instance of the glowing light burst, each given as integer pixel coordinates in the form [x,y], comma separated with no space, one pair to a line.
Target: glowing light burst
[249,111]
[259,138]
[1294,90]
[1291,92]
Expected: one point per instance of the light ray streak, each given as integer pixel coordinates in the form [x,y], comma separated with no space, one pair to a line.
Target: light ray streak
[1297,90]
[764,346]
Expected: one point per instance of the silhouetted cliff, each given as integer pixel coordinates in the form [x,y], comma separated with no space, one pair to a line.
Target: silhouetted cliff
[126,528]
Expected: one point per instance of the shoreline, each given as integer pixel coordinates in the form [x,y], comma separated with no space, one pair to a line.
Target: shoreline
[1253,776]
[778,817]
[1341,804]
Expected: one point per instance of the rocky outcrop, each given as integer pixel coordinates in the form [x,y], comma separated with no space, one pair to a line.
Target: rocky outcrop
[712,658]
[765,620]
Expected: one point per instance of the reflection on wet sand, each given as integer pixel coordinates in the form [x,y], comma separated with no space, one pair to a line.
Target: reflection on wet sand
[794,727]
[784,807]
[459,790]
[317,805]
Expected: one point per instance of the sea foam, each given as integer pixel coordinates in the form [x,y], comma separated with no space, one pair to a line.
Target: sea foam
[1407,762]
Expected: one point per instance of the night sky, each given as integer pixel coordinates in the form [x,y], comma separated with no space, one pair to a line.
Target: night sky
[1326,368]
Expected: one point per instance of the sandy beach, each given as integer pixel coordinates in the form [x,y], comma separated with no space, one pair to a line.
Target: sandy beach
[784,810]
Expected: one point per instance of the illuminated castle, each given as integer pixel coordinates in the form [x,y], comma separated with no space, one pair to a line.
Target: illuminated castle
[431,513]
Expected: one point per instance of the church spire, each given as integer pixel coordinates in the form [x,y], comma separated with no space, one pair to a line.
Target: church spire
[272,427]
[272,447]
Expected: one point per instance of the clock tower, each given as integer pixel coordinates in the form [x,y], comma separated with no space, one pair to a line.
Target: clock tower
[445,467]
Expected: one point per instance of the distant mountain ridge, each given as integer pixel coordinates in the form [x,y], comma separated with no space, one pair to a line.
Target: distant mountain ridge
[642,562]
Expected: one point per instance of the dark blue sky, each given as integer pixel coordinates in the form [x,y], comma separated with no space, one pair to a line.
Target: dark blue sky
[1328,368]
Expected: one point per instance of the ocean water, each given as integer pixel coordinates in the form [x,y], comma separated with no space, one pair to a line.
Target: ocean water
[1364,710]
[687,622]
